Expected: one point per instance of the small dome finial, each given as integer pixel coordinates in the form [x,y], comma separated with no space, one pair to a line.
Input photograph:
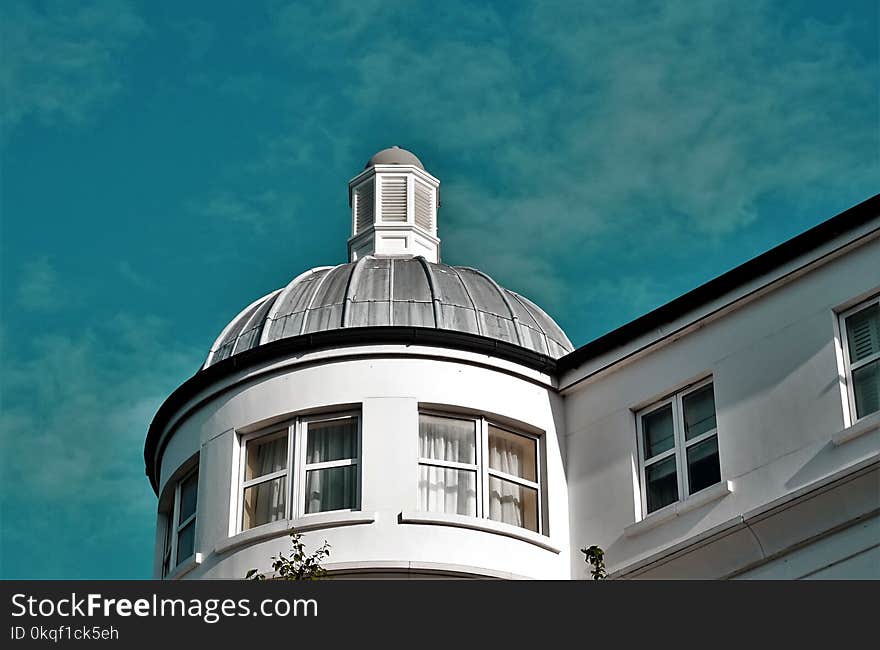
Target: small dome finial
[394,155]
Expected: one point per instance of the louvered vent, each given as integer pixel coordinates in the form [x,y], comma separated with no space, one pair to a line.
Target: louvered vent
[364,206]
[394,199]
[864,333]
[423,205]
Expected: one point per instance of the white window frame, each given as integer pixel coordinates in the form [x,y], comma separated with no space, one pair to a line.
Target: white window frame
[296,431]
[173,526]
[482,469]
[848,364]
[680,446]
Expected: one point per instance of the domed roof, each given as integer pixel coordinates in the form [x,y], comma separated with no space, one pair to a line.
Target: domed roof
[397,291]
[394,156]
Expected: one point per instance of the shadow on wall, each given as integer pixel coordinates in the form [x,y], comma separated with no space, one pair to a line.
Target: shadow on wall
[776,396]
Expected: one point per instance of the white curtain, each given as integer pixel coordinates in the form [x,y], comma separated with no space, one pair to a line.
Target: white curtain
[331,488]
[266,457]
[510,502]
[264,502]
[444,489]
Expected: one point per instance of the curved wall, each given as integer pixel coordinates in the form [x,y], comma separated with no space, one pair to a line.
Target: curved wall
[387,536]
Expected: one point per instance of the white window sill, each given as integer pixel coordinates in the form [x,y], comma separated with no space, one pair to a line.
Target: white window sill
[472,523]
[673,510]
[300,524]
[182,569]
[867,424]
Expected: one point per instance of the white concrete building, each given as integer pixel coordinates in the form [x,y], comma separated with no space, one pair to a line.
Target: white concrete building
[428,423]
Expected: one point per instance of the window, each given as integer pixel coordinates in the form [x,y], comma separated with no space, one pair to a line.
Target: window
[861,346]
[180,524]
[678,446]
[324,450]
[472,466]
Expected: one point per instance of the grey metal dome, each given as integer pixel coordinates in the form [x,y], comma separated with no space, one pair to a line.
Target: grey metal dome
[394,156]
[392,291]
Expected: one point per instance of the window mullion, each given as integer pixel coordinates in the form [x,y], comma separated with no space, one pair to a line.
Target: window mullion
[451,464]
[239,506]
[679,434]
[327,464]
[539,476]
[299,432]
[176,513]
[483,463]
[700,438]
[186,522]
[513,479]
[264,478]
[640,450]
[855,365]
[661,456]
[358,469]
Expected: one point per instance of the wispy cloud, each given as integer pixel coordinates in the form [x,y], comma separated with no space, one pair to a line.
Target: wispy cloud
[39,288]
[134,277]
[75,408]
[567,126]
[265,192]
[60,61]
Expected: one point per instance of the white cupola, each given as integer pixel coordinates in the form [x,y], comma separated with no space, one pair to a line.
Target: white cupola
[394,204]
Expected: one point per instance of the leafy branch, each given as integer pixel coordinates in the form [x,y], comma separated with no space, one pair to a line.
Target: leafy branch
[298,565]
[595,557]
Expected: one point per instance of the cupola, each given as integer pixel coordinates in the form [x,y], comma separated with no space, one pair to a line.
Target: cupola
[394,204]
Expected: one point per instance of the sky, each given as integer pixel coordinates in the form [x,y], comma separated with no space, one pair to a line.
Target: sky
[164,164]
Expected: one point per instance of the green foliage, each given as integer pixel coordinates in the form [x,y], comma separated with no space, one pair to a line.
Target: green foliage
[595,557]
[296,566]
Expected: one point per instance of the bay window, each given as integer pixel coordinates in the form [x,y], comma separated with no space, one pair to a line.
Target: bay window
[475,467]
[307,466]
[678,446]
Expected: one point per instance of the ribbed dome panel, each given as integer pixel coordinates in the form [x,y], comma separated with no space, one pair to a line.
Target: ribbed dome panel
[375,292]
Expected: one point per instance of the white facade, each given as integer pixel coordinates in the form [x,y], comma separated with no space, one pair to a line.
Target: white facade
[386,533]
[799,489]
[796,474]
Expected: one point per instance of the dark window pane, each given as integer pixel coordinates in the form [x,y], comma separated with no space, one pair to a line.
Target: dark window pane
[662,484]
[699,412]
[512,503]
[866,385]
[703,466]
[263,503]
[188,491]
[332,440]
[186,538]
[449,439]
[166,547]
[265,455]
[442,489]
[331,489]
[863,333]
[658,432]
[513,454]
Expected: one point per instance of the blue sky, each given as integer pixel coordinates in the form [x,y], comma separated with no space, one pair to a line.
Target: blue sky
[163,164]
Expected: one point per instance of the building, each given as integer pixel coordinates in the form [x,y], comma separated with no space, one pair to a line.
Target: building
[429,423]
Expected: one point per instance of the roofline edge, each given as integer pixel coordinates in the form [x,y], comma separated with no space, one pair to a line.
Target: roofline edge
[809,240]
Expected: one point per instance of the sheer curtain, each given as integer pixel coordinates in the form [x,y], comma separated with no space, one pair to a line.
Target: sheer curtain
[331,488]
[264,502]
[447,489]
[511,502]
